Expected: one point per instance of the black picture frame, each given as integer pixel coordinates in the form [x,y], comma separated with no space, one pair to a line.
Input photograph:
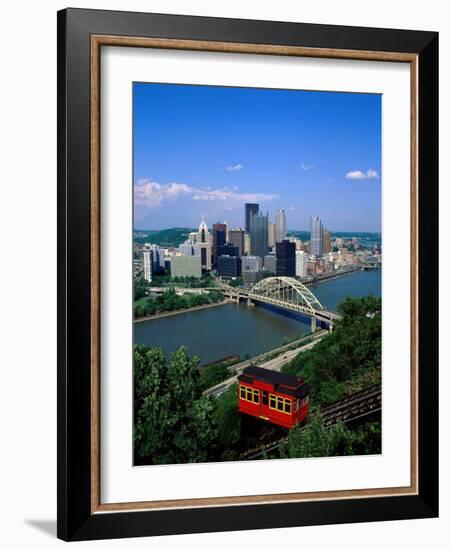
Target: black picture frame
[75,518]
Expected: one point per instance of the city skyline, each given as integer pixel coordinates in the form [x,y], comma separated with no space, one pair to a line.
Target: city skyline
[286,150]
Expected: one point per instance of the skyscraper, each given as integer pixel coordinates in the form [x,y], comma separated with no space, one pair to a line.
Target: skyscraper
[285,258]
[326,243]
[250,210]
[219,236]
[203,245]
[259,234]
[280,226]
[316,246]
[247,243]
[236,236]
[272,240]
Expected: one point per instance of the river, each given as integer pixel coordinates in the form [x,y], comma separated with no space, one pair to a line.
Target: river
[234,329]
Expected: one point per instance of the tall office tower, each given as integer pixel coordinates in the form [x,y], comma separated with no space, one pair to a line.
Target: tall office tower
[219,237]
[272,240]
[280,226]
[250,210]
[316,246]
[247,242]
[326,242]
[187,248]
[285,258]
[236,237]
[259,234]
[203,235]
[203,245]
[228,249]
[157,257]
[148,271]
[301,263]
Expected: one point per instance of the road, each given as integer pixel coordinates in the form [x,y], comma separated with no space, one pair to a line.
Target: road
[272,364]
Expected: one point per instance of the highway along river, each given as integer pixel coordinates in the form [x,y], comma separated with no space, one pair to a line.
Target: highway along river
[233,329]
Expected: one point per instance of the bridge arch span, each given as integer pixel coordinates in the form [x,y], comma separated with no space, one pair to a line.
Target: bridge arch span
[286,291]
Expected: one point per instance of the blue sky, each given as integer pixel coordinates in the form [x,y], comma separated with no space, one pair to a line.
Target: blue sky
[208,150]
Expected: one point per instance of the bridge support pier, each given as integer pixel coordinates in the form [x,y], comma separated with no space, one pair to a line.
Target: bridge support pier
[249,302]
[313,324]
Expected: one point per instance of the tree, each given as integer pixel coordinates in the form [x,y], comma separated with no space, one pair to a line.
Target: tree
[173,421]
[314,440]
[228,420]
[214,374]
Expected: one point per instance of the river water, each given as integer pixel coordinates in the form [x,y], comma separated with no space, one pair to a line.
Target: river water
[236,329]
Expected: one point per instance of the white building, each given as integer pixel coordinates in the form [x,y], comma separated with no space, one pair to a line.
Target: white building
[301,262]
[148,271]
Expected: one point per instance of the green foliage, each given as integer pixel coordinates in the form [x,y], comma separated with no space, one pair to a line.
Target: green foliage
[314,440]
[351,352]
[139,288]
[170,301]
[173,421]
[228,419]
[165,237]
[189,282]
[235,282]
[214,374]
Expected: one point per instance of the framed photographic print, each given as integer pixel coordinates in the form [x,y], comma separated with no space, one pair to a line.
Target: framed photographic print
[247,274]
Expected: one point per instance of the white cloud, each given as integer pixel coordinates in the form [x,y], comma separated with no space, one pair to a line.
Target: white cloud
[305,167]
[235,168]
[152,194]
[372,173]
[360,175]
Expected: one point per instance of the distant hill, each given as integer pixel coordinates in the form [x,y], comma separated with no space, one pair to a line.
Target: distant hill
[362,236]
[164,237]
[174,236]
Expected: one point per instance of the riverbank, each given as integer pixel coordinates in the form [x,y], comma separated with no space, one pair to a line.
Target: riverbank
[163,314]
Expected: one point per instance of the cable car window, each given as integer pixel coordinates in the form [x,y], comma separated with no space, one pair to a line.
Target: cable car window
[287,407]
[255,396]
[280,404]
[249,394]
[242,394]
[265,399]
[272,402]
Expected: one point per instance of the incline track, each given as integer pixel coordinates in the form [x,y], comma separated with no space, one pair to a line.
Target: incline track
[348,409]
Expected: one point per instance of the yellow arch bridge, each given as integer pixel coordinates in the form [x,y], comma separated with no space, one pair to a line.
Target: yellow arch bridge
[285,293]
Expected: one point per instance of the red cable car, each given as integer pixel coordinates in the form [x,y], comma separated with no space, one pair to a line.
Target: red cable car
[273,396]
